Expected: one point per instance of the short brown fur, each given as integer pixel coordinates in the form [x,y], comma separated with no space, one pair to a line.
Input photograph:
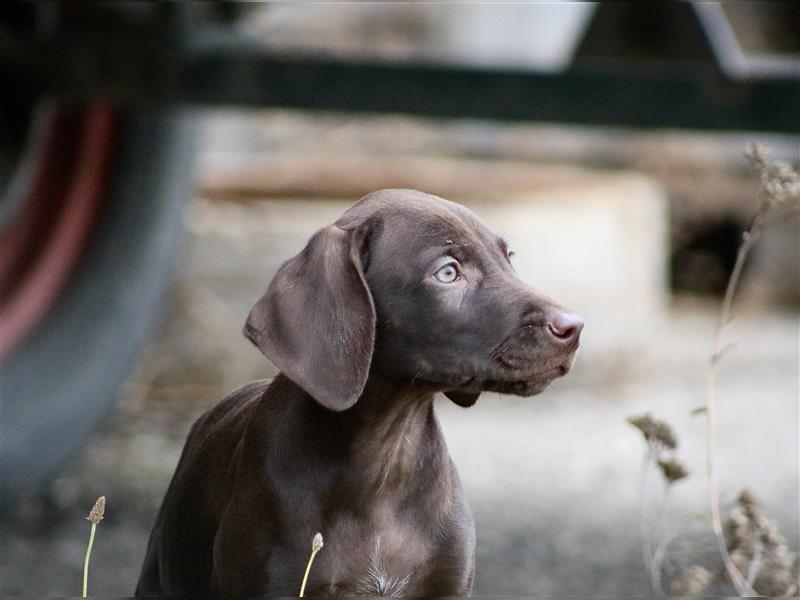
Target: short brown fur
[344,441]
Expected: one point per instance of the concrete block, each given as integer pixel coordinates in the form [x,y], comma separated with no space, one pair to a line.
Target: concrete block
[598,246]
[596,243]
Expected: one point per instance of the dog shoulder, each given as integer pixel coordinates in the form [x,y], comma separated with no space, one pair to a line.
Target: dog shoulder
[229,414]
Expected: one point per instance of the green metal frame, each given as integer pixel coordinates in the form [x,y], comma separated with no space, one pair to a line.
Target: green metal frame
[204,64]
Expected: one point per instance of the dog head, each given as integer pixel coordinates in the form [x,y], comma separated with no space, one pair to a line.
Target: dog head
[415,288]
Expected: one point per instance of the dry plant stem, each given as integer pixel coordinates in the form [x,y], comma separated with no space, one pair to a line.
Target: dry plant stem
[644,531]
[95,516]
[748,239]
[657,559]
[308,570]
[305,577]
[316,546]
[755,564]
[86,559]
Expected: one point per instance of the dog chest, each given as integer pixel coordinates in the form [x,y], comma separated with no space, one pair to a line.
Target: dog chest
[388,554]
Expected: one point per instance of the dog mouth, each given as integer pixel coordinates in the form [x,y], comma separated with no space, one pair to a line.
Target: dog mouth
[525,385]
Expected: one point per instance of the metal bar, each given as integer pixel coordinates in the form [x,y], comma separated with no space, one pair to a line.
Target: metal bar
[675,96]
[652,95]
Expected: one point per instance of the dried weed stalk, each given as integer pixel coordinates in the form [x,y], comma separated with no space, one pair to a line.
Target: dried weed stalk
[662,443]
[755,557]
[95,516]
[316,545]
[780,185]
[758,549]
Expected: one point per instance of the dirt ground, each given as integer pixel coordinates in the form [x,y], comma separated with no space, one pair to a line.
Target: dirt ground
[552,480]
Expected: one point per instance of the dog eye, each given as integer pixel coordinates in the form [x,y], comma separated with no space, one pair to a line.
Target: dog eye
[447,274]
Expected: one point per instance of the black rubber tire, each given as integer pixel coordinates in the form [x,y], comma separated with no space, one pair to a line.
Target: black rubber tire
[65,376]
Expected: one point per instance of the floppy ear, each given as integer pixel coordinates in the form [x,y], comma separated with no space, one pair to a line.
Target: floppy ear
[316,322]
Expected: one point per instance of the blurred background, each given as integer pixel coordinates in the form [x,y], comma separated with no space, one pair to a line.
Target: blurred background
[159,161]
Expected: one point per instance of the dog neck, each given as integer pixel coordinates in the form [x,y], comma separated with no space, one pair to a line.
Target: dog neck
[397,435]
[388,444]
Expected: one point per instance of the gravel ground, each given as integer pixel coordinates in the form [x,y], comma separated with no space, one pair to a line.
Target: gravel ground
[552,480]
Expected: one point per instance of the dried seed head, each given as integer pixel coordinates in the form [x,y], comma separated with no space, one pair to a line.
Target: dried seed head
[656,433]
[757,153]
[755,543]
[672,469]
[317,543]
[780,181]
[748,501]
[98,510]
[691,582]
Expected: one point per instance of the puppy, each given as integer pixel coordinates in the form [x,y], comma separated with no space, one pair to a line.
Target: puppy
[406,295]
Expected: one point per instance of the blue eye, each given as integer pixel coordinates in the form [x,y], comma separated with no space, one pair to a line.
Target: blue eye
[447,273]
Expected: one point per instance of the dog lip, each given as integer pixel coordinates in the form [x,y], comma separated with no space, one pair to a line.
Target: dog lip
[537,376]
[504,362]
[518,383]
[528,381]
[517,366]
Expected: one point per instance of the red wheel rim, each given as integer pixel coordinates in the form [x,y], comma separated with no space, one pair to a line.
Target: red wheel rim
[44,244]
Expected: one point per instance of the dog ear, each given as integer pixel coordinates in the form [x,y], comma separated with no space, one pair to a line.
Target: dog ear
[316,321]
[464,399]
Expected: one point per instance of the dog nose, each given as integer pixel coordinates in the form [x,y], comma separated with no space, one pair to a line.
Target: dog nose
[566,327]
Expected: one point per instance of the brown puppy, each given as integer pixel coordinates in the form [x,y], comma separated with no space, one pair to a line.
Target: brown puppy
[404,296]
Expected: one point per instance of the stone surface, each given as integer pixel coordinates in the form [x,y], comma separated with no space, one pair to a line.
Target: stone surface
[571,230]
[705,176]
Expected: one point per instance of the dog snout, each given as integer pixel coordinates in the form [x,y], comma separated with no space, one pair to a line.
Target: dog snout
[565,327]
